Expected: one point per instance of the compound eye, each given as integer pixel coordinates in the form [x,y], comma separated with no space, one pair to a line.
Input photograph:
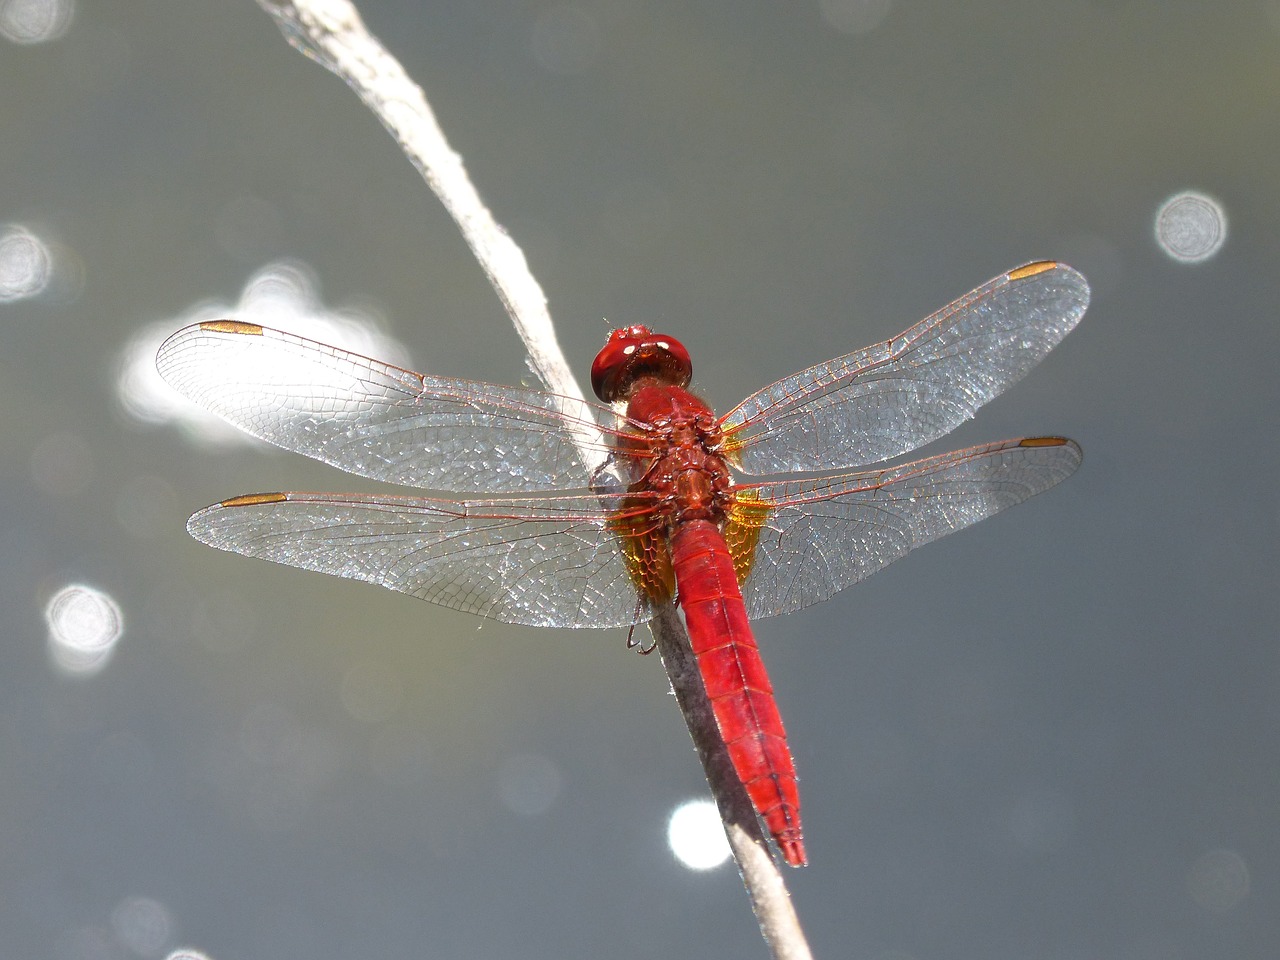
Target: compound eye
[633,353]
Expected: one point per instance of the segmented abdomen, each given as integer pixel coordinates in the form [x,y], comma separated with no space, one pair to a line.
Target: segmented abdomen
[735,679]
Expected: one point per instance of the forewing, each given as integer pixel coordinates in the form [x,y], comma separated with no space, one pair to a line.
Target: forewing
[895,396]
[548,562]
[379,421]
[815,537]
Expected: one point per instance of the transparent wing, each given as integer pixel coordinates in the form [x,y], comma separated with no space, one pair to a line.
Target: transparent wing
[815,537]
[548,562]
[379,421]
[890,398]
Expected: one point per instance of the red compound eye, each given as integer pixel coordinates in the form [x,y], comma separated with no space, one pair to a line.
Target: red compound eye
[636,352]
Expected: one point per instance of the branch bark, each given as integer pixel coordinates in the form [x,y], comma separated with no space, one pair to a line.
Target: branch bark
[761,875]
[332,33]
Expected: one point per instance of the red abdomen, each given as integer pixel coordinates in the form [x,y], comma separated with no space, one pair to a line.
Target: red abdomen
[735,679]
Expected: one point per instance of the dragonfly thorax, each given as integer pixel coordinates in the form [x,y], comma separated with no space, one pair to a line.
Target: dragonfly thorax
[682,446]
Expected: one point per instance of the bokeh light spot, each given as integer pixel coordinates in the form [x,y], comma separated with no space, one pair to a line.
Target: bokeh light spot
[529,784]
[186,953]
[281,765]
[35,21]
[282,295]
[1191,227]
[26,263]
[696,836]
[84,626]
[1219,880]
[142,925]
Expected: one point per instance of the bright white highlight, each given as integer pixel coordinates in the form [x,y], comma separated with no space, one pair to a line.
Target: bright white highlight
[84,626]
[281,295]
[696,835]
[35,21]
[26,263]
[186,953]
[1191,227]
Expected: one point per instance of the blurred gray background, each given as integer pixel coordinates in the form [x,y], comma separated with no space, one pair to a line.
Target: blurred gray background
[1051,736]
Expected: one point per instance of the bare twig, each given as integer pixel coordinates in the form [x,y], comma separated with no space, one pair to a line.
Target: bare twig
[332,33]
[765,885]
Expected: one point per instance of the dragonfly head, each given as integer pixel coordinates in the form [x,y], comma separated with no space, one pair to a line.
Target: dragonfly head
[635,353]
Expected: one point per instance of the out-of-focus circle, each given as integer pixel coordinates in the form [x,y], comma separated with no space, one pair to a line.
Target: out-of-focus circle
[529,784]
[281,766]
[142,925]
[35,21]
[696,835]
[147,398]
[1191,227]
[283,295]
[1219,880]
[26,263]
[186,953]
[84,627]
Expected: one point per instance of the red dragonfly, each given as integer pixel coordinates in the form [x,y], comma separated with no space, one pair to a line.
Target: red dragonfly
[663,519]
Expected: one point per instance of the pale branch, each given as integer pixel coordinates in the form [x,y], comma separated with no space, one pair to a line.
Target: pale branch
[761,875]
[332,33]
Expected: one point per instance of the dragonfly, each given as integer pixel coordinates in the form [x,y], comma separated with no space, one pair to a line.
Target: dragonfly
[529,534]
